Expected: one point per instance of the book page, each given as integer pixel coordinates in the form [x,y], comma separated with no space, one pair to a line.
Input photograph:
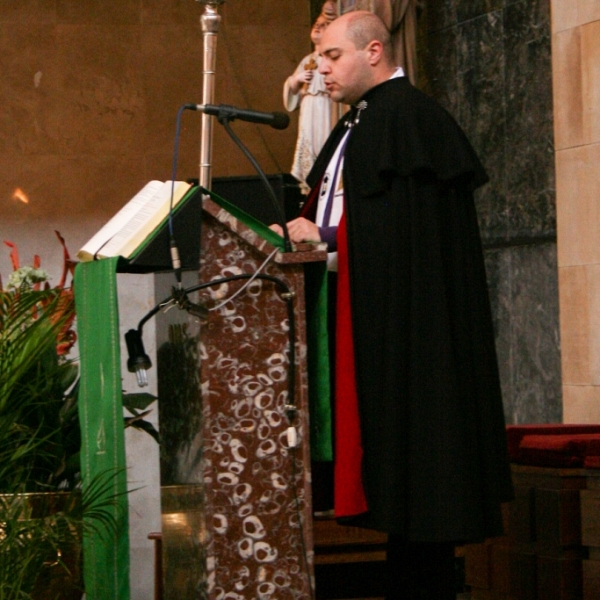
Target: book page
[90,248]
[144,221]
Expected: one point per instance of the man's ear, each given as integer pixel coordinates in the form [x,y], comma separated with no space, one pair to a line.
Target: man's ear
[374,52]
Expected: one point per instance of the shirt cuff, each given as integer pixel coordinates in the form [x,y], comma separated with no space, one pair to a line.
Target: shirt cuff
[329,236]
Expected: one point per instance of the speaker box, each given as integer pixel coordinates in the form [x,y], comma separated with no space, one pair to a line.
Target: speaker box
[249,194]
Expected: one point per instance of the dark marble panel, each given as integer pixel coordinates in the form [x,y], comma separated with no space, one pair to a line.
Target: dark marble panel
[531,216]
[535,335]
[439,15]
[490,203]
[497,265]
[523,283]
[529,133]
[469,9]
[480,85]
[502,83]
[438,68]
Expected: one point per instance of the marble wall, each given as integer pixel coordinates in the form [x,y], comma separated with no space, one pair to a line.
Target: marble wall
[489,63]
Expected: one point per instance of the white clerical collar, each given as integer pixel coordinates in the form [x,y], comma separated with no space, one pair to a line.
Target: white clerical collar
[399,72]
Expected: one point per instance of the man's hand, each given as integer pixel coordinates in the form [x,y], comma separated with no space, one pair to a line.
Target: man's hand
[300,230]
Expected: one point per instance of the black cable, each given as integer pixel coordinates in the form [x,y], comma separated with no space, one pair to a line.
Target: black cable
[276,205]
[175,260]
[290,407]
[288,297]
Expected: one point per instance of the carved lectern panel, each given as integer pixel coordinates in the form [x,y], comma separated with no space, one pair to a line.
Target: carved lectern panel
[257,489]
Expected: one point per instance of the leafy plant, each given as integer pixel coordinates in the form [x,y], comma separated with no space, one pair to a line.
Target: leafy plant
[39,423]
[40,539]
[41,533]
[36,407]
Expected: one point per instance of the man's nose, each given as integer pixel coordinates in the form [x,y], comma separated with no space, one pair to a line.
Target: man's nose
[323,67]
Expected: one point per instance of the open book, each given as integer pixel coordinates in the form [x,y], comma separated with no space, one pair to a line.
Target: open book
[132,225]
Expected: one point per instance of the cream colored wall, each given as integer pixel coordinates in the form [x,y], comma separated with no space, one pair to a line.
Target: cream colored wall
[89,96]
[90,92]
[576,80]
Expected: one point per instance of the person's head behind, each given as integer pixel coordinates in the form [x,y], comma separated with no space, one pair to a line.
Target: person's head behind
[356,55]
[317,30]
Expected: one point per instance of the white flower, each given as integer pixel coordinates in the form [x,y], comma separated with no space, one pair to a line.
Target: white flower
[26,276]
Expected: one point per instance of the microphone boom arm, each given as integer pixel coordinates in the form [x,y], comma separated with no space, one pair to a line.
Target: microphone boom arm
[224,120]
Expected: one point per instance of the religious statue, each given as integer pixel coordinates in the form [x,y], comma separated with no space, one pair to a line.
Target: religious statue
[306,90]
[330,10]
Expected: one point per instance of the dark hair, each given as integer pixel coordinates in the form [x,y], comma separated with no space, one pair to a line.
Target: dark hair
[363,27]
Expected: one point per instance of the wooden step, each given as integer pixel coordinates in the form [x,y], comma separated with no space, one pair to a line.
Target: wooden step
[335,543]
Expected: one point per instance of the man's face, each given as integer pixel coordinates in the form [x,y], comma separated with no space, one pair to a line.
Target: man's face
[346,70]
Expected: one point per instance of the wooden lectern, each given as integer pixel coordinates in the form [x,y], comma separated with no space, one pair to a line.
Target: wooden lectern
[236,500]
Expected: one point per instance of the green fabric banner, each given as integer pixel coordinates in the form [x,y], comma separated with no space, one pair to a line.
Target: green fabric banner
[106,551]
[319,379]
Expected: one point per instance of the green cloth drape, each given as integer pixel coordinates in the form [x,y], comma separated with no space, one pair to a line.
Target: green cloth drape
[106,552]
[319,381]
[106,557]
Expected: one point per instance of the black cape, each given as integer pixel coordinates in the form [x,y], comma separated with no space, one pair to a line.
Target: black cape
[435,465]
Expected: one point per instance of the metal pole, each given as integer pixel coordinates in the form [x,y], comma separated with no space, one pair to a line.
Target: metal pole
[210,22]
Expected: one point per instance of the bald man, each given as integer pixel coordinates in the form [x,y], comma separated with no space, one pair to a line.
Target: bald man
[420,446]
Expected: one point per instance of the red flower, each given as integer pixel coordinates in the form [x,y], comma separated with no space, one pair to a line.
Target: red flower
[65,308]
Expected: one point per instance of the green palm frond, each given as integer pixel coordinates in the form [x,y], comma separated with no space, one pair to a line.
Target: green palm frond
[33,384]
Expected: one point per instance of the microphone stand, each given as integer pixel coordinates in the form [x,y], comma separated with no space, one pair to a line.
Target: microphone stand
[210,22]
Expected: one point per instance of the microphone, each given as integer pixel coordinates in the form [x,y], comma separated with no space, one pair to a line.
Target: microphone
[277,120]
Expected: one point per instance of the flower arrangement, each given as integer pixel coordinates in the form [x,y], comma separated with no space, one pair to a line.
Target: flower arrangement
[39,435]
[33,278]
[39,429]
[42,510]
